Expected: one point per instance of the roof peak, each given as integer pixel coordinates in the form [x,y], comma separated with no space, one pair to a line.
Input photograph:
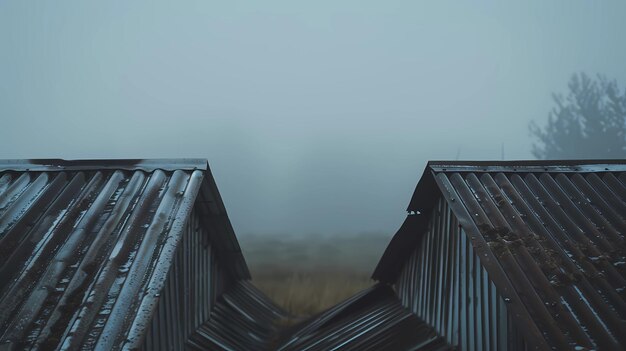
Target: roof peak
[103,164]
[612,165]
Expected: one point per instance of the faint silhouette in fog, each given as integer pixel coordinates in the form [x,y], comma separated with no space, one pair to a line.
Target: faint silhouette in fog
[590,122]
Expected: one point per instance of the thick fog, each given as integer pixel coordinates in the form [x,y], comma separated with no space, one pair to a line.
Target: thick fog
[316,117]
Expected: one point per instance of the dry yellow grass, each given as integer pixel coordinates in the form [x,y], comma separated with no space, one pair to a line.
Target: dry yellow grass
[306,293]
[307,274]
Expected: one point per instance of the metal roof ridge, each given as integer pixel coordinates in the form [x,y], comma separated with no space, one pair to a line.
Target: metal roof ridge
[528,166]
[50,165]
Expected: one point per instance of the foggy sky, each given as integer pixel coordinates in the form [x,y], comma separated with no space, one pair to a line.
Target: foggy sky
[315,117]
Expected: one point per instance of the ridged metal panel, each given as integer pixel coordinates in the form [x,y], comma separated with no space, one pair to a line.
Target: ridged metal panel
[189,292]
[82,252]
[100,258]
[550,235]
[242,319]
[148,165]
[371,320]
[562,235]
[444,283]
[214,218]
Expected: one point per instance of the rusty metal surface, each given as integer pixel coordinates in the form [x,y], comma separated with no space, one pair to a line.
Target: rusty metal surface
[550,235]
[242,319]
[93,250]
[371,320]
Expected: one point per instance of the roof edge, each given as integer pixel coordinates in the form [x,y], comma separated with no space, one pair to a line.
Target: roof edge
[148,304]
[425,193]
[406,240]
[215,218]
[55,164]
[427,190]
[583,165]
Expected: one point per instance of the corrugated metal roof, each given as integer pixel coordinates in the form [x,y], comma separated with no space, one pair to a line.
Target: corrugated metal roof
[51,165]
[86,243]
[551,236]
[373,319]
[242,319]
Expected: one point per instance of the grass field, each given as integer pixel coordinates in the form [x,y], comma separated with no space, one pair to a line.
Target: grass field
[307,274]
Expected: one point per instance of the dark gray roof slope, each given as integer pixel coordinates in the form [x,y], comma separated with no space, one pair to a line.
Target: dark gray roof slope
[84,244]
[551,235]
[373,319]
[242,319]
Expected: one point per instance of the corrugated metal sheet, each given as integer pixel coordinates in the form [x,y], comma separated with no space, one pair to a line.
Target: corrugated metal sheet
[550,235]
[444,283]
[148,165]
[371,320]
[88,247]
[192,285]
[242,319]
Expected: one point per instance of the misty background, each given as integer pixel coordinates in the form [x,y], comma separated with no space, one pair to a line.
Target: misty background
[316,117]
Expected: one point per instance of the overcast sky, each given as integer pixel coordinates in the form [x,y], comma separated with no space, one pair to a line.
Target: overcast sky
[315,117]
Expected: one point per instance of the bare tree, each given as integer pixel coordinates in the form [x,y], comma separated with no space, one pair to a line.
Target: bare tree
[589,123]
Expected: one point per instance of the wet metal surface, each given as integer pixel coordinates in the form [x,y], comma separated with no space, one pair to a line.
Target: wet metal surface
[444,283]
[371,320]
[242,319]
[547,237]
[140,254]
[93,250]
